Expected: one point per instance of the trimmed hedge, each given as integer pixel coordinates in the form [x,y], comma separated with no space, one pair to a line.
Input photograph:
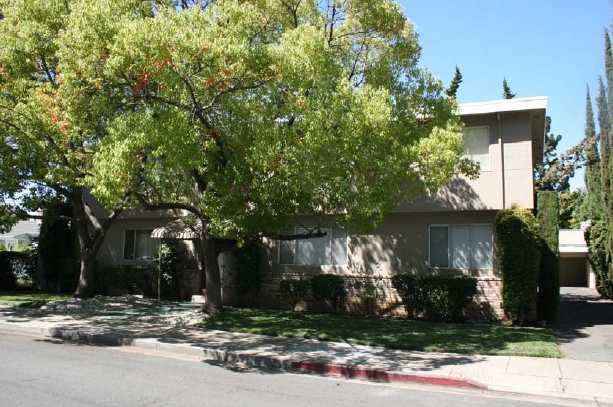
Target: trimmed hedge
[519,257]
[596,238]
[17,267]
[435,297]
[130,279]
[294,291]
[329,287]
[549,276]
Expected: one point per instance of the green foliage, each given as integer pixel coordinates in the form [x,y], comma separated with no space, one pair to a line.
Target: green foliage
[248,261]
[18,267]
[555,172]
[593,203]
[452,90]
[369,293]
[506,91]
[129,279]
[549,276]
[435,297]
[329,287]
[56,241]
[294,291]
[167,258]
[68,271]
[2,248]
[8,280]
[519,255]
[596,238]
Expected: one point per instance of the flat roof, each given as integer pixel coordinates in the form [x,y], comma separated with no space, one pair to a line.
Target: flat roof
[503,105]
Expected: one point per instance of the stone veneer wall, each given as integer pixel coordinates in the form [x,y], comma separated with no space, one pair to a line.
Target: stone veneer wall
[486,305]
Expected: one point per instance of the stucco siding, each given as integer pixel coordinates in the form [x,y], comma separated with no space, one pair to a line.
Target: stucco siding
[399,245]
[510,136]
[111,252]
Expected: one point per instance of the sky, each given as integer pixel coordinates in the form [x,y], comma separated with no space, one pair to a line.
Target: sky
[552,48]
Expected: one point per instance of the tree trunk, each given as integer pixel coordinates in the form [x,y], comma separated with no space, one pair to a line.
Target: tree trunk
[213,278]
[87,276]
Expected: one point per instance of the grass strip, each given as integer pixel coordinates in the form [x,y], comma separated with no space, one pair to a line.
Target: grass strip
[479,339]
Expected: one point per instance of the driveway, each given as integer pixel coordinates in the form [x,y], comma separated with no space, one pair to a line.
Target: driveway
[584,326]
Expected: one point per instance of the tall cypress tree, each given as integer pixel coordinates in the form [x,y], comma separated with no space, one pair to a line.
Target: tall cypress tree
[506,91]
[592,164]
[455,84]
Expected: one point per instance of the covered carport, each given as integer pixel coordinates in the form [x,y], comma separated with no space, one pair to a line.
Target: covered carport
[575,268]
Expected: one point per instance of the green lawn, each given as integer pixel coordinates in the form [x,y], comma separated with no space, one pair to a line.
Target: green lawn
[29,298]
[390,333]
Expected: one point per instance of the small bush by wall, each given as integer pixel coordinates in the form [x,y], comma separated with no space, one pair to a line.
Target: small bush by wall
[294,291]
[549,276]
[329,287]
[435,297]
[67,271]
[129,279]
[17,268]
[519,257]
[248,261]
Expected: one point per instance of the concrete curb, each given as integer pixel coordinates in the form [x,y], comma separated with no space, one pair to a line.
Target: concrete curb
[381,375]
[254,360]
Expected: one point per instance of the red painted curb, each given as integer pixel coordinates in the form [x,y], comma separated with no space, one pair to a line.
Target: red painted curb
[381,375]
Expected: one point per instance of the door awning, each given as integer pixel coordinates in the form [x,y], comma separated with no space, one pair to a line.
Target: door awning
[176,230]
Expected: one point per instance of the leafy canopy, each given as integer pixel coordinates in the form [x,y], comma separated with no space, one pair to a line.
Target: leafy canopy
[249,112]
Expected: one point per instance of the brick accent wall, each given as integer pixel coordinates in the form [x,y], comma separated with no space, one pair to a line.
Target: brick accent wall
[360,295]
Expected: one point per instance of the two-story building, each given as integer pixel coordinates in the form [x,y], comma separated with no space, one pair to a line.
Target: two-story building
[448,232]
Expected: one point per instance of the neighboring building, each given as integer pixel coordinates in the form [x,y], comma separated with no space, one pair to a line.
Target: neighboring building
[575,268]
[22,234]
[450,232]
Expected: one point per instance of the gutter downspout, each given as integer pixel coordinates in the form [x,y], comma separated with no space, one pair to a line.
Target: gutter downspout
[504,194]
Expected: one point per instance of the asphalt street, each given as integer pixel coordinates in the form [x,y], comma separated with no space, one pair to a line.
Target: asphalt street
[44,372]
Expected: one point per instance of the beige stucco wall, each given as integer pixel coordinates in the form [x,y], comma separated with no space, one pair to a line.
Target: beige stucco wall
[399,245]
[490,191]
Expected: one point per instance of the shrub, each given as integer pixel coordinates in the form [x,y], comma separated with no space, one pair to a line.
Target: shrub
[248,261]
[329,287]
[519,255]
[167,258]
[294,291]
[435,297]
[129,278]
[596,238]
[8,280]
[68,271]
[549,276]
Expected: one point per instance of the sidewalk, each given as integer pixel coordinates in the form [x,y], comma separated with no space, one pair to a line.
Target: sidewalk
[559,378]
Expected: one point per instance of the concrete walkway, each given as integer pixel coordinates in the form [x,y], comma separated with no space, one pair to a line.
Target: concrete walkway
[585,381]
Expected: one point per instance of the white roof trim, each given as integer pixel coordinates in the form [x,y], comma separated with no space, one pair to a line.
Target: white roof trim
[503,105]
[573,249]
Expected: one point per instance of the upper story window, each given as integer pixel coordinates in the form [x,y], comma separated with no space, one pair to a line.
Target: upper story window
[330,249]
[462,246]
[477,145]
[138,244]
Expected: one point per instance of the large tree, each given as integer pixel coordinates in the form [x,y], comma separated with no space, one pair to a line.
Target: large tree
[246,114]
[53,115]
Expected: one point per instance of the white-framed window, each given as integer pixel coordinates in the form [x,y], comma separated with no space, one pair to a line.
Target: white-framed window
[477,145]
[330,249]
[138,244]
[461,246]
